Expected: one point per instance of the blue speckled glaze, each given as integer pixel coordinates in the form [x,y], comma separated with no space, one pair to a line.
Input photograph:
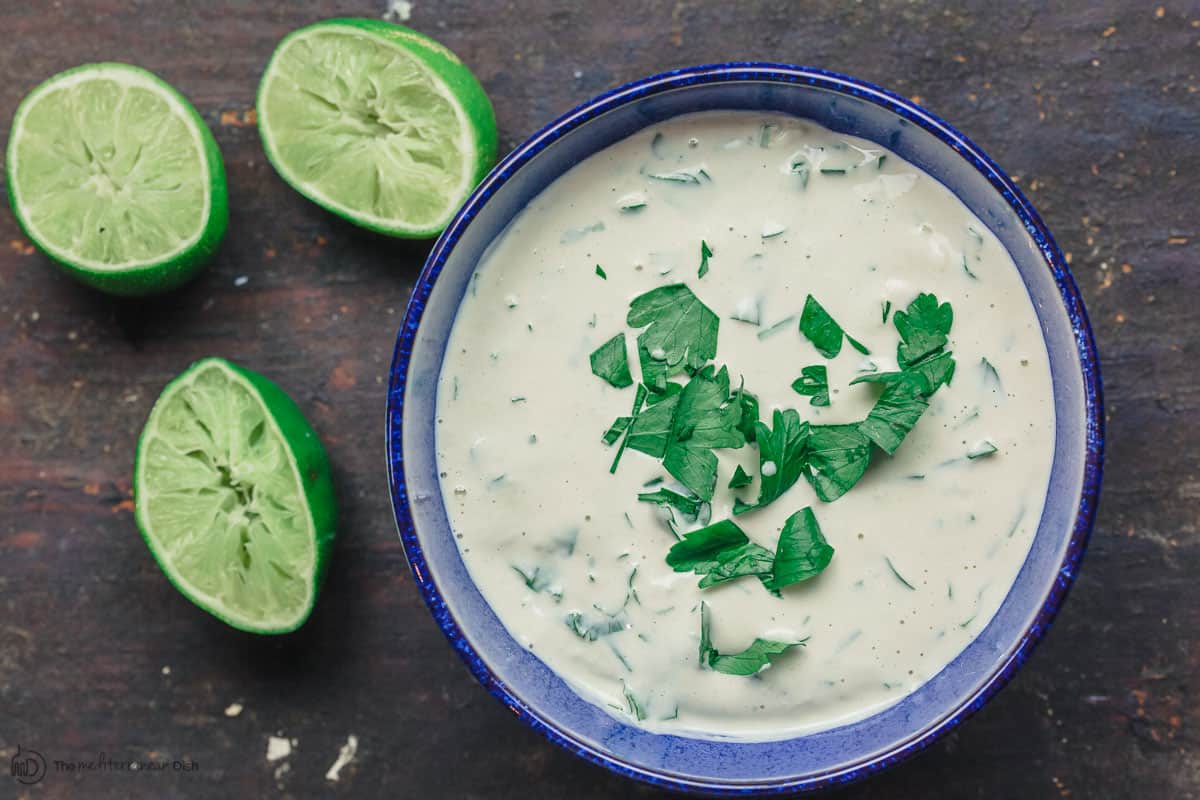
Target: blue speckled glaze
[540,698]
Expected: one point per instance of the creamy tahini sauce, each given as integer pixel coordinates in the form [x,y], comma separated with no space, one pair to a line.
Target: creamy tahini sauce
[526,478]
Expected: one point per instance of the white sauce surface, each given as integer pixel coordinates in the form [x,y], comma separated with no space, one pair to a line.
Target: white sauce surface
[524,472]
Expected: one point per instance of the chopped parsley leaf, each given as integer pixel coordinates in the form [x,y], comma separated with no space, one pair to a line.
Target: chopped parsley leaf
[967,269]
[635,708]
[651,430]
[680,333]
[923,327]
[838,456]
[820,329]
[601,273]
[740,478]
[688,506]
[610,362]
[616,429]
[826,335]
[639,397]
[702,551]
[813,381]
[704,419]
[991,376]
[982,450]
[896,411]
[802,552]
[776,328]
[896,572]
[932,373]
[537,582]
[705,254]
[760,654]
[782,455]
[857,345]
[591,631]
[749,405]
[749,559]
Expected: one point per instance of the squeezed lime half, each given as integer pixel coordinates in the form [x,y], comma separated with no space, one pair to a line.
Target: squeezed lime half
[377,123]
[114,176]
[234,497]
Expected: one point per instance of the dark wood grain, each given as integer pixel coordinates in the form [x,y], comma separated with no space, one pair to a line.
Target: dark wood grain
[1095,106]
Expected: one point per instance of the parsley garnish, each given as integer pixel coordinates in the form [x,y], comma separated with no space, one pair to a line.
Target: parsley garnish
[778,326]
[704,419]
[967,269]
[933,372]
[616,429]
[749,405]
[680,333]
[749,559]
[722,552]
[537,582]
[897,411]
[704,550]
[684,428]
[802,552]
[990,375]
[896,572]
[688,506]
[937,369]
[923,329]
[838,456]
[782,453]
[813,381]
[740,478]
[591,631]
[705,254]
[750,661]
[925,367]
[639,397]
[820,329]
[650,432]
[635,708]
[601,273]
[610,362]
[826,335]
[982,450]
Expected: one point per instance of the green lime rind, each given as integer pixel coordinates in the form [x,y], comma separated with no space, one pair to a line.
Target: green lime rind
[233,494]
[158,272]
[362,178]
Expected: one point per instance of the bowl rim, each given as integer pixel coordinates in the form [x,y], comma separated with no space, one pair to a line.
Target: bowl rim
[755,72]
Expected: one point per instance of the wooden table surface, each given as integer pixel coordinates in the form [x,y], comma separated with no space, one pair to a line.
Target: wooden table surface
[1095,106]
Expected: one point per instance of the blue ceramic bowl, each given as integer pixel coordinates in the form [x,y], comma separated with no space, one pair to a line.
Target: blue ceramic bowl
[513,674]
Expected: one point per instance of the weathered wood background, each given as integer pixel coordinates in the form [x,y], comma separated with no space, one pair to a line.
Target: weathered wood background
[1095,106]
